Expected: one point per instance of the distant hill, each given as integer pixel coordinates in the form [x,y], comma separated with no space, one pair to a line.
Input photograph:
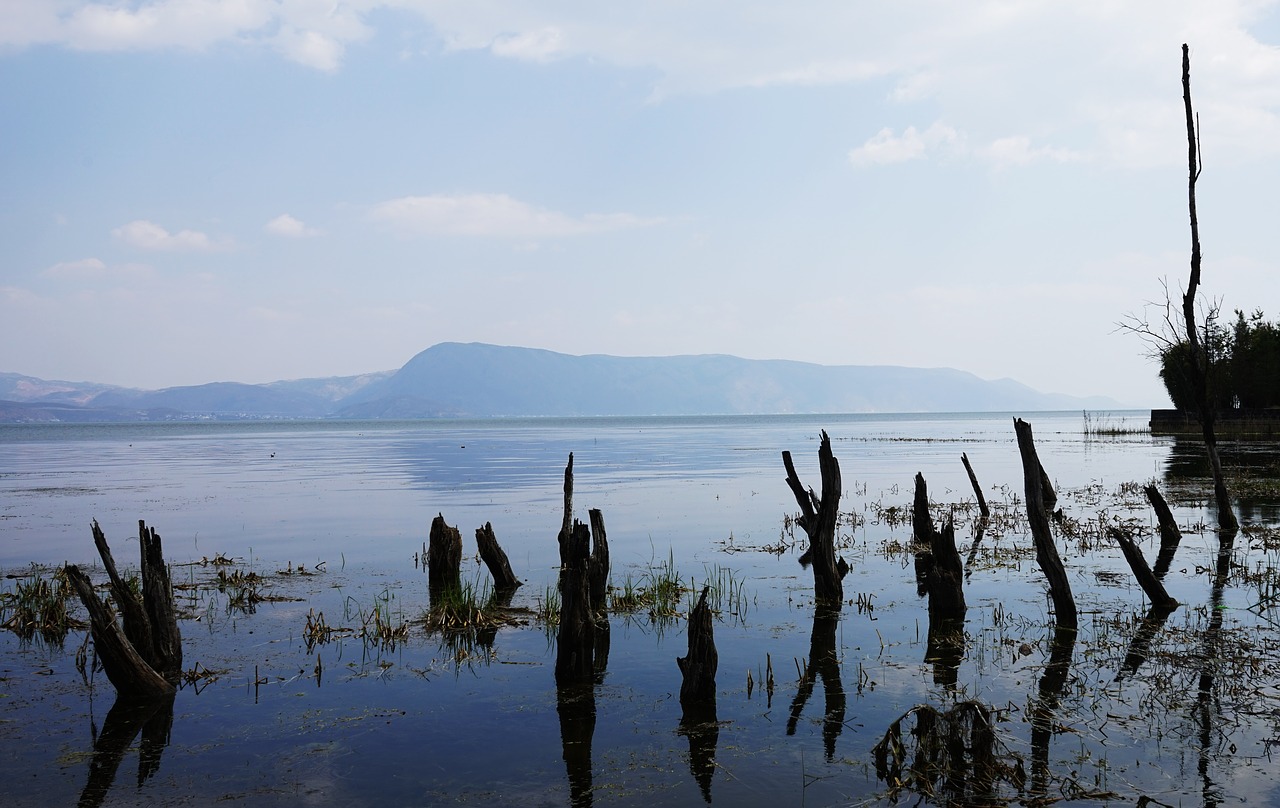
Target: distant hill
[477,380]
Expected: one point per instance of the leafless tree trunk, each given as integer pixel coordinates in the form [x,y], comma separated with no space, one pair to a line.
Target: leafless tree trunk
[1199,353]
[1064,604]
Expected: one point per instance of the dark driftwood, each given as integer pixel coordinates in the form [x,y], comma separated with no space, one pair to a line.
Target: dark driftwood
[977,489]
[504,580]
[157,601]
[598,571]
[1064,604]
[939,571]
[698,667]
[818,517]
[1170,533]
[444,559]
[124,666]
[1138,563]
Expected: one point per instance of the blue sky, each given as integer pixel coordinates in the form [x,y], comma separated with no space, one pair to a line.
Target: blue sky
[254,190]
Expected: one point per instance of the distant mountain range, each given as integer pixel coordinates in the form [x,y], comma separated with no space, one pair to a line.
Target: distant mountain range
[453,380]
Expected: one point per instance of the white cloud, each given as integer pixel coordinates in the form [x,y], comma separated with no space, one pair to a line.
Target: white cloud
[887,147]
[288,226]
[83,268]
[493,215]
[1018,151]
[541,45]
[151,236]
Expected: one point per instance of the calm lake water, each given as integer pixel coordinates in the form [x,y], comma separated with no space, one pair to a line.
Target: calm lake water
[428,723]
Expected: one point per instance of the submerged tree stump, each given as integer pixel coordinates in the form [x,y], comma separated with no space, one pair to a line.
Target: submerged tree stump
[1170,533]
[504,580]
[939,570]
[444,559]
[157,600]
[699,666]
[124,665]
[1033,477]
[818,517]
[582,643]
[1138,563]
[977,489]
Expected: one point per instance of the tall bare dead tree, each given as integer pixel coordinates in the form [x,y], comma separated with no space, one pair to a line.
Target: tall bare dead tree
[1199,352]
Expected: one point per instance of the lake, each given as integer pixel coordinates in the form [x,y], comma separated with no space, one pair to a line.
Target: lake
[281,719]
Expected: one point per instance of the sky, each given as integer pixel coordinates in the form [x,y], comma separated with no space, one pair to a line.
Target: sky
[254,190]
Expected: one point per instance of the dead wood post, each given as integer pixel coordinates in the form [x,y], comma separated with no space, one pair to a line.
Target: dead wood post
[444,559]
[598,575]
[157,600]
[1064,604]
[1170,533]
[575,641]
[818,517]
[1199,352]
[977,489]
[142,658]
[1138,563]
[124,666]
[698,667]
[938,568]
[504,580]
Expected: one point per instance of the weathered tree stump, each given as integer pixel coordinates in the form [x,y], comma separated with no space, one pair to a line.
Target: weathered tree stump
[698,667]
[444,559]
[504,580]
[583,639]
[818,517]
[157,600]
[124,666]
[1033,476]
[939,571]
[142,657]
[1170,533]
[1138,563]
[575,641]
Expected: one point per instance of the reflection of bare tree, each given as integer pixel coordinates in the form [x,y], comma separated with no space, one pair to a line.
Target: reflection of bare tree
[824,663]
[1044,711]
[1208,705]
[576,705]
[956,759]
[127,717]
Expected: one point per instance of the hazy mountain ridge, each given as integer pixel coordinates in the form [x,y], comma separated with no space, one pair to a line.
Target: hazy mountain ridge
[480,380]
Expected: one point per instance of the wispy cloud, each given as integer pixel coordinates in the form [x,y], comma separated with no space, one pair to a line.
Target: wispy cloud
[289,227]
[147,235]
[889,147]
[493,215]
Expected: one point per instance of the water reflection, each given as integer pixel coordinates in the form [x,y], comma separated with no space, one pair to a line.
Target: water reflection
[576,706]
[125,719]
[1208,705]
[699,724]
[1245,460]
[1140,645]
[824,664]
[1044,711]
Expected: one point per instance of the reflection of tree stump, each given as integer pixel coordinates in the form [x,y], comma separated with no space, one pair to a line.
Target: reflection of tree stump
[955,757]
[444,559]
[495,559]
[818,517]
[127,717]
[576,707]
[700,725]
[825,663]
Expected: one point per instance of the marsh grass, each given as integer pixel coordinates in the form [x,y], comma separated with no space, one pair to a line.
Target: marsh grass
[38,605]
[658,592]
